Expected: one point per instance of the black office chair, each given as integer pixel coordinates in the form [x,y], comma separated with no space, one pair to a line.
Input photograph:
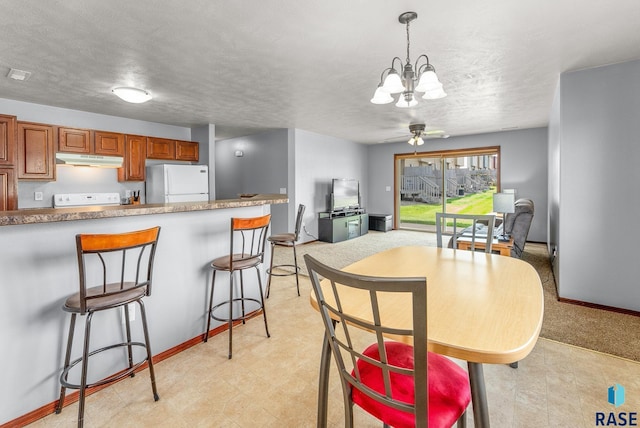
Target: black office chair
[286,240]
[124,264]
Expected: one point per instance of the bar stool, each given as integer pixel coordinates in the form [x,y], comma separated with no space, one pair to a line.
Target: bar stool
[247,242]
[123,263]
[286,240]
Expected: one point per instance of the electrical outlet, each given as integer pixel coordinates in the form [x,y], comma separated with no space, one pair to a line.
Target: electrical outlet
[38,196]
[132,313]
[127,193]
[283,190]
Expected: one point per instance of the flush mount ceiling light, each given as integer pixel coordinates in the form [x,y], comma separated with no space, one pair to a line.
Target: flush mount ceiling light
[392,82]
[132,95]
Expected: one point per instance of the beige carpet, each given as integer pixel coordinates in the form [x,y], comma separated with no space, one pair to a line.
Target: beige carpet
[599,330]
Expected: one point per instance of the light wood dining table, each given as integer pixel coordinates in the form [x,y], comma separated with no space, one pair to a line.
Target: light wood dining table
[481,308]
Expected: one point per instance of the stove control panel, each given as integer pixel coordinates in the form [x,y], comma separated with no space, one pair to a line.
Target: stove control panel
[85,199]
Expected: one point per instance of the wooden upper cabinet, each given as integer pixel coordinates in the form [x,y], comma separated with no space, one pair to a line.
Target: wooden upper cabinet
[187,151]
[133,168]
[8,155]
[36,155]
[8,189]
[73,140]
[108,143]
[161,148]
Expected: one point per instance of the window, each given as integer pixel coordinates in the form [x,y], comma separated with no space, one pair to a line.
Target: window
[458,181]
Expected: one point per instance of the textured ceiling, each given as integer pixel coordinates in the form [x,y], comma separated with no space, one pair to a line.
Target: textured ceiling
[252,65]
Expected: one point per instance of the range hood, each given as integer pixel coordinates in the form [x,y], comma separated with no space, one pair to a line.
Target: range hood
[76,159]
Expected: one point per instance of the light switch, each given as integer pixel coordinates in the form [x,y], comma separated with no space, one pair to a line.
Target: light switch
[387,189]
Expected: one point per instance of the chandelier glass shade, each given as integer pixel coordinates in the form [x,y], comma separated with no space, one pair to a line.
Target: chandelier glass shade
[408,79]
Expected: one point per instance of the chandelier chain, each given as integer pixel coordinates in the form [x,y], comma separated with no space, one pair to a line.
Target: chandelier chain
[408,59]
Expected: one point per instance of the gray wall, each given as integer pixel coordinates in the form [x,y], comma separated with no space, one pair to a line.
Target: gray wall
[263,168]
[299,161]
[206,137]
[553,214]
[523,167]
[598,183]
[318,159]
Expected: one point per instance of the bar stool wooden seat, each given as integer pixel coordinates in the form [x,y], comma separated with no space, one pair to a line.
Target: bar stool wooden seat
[247,242]
[123,263]
[286,240]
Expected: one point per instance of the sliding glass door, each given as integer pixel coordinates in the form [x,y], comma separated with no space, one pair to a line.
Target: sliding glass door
[460,181]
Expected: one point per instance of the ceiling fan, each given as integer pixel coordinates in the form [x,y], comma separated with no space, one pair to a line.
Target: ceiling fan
[417,134]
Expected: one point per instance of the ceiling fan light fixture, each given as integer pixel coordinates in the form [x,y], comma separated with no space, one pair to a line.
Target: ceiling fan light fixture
[419,77]
[132,95]
[416,141]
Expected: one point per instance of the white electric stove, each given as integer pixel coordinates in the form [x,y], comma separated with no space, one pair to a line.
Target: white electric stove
[85,199]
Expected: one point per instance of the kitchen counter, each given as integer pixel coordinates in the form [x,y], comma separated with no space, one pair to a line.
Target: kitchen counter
[39,266]
[50,215]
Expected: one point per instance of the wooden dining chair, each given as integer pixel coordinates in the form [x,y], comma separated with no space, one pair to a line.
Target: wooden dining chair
[400,384]
[476,228]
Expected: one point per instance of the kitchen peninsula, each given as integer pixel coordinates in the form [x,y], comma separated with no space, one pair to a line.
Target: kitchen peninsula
[39,271]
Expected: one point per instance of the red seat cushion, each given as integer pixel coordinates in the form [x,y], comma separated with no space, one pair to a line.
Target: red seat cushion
[448,387]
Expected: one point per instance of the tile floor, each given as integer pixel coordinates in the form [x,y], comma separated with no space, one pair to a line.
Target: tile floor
[272,382]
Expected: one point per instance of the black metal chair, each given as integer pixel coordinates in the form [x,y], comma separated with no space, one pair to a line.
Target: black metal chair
[286,240]
[247,244]
[400,384]
[124,264]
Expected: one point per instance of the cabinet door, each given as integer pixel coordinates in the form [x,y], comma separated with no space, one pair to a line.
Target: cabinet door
[8,191]
[36,160]
[135,154]
[364,224]
[73,140]
[7,140]
[108,143]
[161,148]
[187,151]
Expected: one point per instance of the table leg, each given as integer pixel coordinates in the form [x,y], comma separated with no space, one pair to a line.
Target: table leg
[478,395]
[323,382]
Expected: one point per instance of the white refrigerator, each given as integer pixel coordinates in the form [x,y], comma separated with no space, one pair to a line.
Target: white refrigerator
[177,183]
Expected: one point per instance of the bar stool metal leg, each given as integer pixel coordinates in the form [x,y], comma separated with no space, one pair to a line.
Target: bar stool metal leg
[264,309]
[67,359]
[230,313]
[85,367]
[145,329]
[213,282]
[295,266]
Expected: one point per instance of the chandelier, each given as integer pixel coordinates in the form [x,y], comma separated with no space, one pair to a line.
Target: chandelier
[392,82]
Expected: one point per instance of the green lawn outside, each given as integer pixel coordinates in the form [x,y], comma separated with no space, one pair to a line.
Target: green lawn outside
[478,203]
